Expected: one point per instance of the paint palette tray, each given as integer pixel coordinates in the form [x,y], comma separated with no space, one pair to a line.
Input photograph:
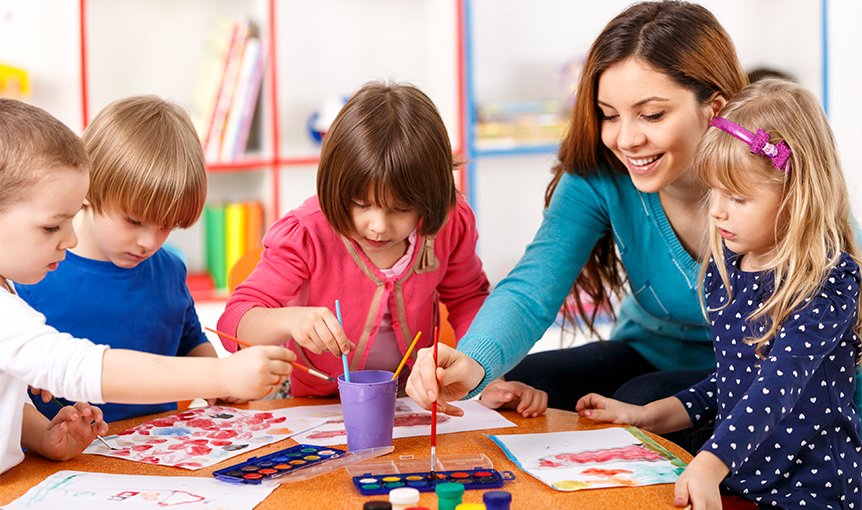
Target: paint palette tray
[297,458]
[474,471]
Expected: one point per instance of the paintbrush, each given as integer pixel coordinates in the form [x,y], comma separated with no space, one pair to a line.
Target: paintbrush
[403,361]
[297,365]
[434,411]
[343,357]
[100,438]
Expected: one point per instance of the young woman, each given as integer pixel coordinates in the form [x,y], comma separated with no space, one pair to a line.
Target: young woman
[623,211]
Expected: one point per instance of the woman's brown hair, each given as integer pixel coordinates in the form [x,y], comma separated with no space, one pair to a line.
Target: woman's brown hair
[390,143]
[679,39]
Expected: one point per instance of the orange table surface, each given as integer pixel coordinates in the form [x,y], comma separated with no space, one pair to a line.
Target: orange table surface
[335,490]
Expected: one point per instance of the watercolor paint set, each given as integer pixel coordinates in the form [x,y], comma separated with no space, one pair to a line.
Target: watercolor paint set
[296,463]
[257,469]
[474,471]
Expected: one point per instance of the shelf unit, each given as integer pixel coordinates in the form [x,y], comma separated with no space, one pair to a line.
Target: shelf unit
[315,50]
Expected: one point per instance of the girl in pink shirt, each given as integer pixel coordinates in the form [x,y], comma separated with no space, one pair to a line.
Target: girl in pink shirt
[387,235]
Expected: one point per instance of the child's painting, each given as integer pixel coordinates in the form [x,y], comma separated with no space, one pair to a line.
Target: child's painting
[590,459]
[202,437]
[74,490]
[410,421]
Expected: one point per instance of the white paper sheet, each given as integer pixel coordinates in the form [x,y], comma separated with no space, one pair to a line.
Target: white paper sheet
[410,421]
[590,459]
[75,490]
[202,437]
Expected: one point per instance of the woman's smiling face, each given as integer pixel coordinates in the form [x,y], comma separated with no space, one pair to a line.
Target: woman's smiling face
[651,123]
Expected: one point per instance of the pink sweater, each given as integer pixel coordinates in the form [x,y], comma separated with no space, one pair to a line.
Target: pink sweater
[305,263]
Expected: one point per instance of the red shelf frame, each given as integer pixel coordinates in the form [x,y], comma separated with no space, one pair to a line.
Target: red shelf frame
[275,162]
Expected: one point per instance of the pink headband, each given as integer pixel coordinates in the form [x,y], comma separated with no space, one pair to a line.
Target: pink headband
[779,153]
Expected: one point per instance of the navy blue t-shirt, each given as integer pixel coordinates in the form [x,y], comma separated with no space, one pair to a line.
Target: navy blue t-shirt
[786,425]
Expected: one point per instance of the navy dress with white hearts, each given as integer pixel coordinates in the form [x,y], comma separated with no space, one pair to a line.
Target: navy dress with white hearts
[786,426]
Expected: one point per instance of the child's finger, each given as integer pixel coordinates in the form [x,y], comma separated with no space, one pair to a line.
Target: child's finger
[332,335]
[680,494]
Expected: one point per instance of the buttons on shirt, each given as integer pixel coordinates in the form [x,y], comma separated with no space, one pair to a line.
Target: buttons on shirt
[396,325]
[389,286]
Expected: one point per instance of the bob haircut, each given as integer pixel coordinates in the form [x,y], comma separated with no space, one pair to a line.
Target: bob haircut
[681,40]
[33,143]
[813,224]
[387,144]
[147,162]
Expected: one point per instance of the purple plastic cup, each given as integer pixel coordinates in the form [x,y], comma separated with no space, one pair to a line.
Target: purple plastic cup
[368,405]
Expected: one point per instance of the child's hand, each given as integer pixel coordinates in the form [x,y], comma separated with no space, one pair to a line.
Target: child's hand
[698,484]
[451,379]
[528,401]
[318,330]
[598,408]
[46,395]
[235,401]
[255,372]
[72,430]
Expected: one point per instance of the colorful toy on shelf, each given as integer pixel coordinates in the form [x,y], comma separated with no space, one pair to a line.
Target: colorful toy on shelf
[14,83]
[320,120]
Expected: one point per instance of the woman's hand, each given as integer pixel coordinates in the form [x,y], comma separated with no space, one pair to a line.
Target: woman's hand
[452,378]
[528,401]
[698,484]
[317,329]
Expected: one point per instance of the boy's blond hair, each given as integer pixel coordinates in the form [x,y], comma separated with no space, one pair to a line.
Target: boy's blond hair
[31,142]
[814,224]
[147,162]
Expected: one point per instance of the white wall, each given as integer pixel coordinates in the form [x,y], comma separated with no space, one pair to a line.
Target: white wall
[845,90]
[519,47]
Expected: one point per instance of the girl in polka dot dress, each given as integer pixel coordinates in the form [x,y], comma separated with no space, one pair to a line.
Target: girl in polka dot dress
[784,309]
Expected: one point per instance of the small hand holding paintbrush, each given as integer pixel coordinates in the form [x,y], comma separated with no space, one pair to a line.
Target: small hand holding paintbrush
[100,438]
[295,364]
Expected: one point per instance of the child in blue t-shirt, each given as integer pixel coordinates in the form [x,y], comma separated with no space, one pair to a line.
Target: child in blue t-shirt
[148,178]
[44,177]
[781,289]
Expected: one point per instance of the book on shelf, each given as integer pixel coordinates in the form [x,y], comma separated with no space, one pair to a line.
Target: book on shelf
[243,102]
[210,73]
[231,230]
[227,87]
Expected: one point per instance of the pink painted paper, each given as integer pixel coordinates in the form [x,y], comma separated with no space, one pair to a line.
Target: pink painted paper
[202,437]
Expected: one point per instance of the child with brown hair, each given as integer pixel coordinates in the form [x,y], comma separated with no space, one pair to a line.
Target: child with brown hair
[387,235]
[44,177]
[148,178]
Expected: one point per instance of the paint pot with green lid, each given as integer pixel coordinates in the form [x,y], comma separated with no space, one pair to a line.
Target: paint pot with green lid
[449,495]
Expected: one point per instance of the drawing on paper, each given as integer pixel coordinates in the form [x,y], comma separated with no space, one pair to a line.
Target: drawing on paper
[74,490]
[205,436]
[612,457]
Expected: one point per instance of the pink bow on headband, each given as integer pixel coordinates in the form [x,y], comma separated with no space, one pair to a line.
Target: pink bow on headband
[779,153]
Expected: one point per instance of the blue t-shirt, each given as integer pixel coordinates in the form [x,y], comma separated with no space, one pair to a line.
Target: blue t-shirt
[786,426]
[146,308]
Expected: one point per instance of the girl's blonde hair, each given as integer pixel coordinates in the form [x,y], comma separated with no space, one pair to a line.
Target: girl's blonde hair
[147,162]
[813,224]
